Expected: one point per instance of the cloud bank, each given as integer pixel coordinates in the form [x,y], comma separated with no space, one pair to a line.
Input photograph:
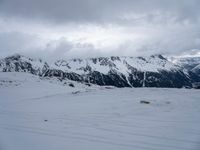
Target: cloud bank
[90,28]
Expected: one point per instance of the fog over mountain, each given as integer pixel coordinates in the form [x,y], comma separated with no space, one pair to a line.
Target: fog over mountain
[90,28]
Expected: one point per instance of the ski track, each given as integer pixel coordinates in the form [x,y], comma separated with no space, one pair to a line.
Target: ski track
[88,137]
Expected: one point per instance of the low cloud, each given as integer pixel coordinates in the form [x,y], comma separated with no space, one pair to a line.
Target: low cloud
[90,28]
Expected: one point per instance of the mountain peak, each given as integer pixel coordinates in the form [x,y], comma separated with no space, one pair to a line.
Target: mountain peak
[14,57]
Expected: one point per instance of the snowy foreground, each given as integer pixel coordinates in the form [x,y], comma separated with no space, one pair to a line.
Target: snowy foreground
[38,114]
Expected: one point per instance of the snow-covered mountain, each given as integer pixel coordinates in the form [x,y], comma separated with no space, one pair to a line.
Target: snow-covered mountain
[121,65]
[191,64]
[188,63]
[19,63]
[153,71]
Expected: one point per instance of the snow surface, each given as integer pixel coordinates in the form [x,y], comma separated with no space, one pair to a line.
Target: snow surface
[38,114]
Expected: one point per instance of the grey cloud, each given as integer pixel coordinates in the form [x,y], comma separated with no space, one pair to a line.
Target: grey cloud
[96,10]
[31,45]
[11,42]
[171,26]
[62,49]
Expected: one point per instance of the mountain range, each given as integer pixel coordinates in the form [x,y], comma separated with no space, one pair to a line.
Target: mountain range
[152,71]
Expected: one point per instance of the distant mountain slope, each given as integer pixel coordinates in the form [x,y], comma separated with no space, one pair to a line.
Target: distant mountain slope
[186,62]
[153,71]
[123,65]
[19,63]
[196,70]
[191,64]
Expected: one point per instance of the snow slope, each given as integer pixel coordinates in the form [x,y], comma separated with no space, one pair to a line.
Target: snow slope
[122,65]
[37,114]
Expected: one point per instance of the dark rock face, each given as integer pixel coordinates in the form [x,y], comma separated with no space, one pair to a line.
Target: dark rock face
[111,79]
[177,78]
[167,79]
[162,79]
[62,75]
[196,71]
[192,66]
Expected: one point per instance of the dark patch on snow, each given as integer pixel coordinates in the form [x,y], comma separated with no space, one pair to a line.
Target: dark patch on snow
[76,92]
[144,102]
[71,85]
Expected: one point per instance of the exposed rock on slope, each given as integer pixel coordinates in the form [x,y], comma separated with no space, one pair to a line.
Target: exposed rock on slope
[153,71]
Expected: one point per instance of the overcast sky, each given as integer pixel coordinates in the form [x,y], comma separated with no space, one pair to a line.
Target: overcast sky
[88,28]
